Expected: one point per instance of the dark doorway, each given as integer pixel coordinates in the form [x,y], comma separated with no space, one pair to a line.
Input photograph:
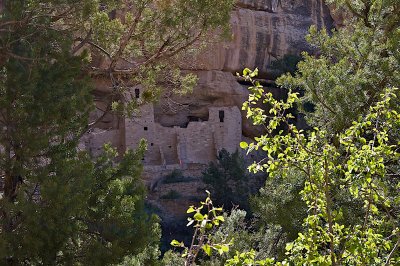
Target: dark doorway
[221,116]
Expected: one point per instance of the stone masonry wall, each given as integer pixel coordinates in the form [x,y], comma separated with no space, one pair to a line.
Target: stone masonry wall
[196,143]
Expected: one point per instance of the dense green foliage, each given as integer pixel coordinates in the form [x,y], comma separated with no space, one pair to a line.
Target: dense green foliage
[357,165]
[58,205]
[279,210]
[346,168]
[354,65]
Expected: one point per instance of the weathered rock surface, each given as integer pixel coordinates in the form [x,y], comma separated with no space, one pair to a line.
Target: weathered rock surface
[215,88]
[263,31]
[338,15]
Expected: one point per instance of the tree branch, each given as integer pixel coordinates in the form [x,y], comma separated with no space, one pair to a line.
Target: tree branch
[82,42]
[392,252]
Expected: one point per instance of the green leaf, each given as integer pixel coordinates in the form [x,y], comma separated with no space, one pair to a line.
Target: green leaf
[176,243]
[220,218]
[289,246]
[243,145]
[207,249]
[225,248]
[190,210]
[198,216]
[254,73]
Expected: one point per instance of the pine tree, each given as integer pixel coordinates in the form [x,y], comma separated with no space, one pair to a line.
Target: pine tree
[57,205]
[354,65]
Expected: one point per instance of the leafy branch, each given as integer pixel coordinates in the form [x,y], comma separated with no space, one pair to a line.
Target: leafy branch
[204,224]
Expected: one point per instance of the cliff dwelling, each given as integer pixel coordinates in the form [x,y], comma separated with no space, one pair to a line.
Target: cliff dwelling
[195,142]
[210,119]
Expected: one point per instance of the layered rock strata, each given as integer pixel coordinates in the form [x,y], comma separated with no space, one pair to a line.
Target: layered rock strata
[264,31]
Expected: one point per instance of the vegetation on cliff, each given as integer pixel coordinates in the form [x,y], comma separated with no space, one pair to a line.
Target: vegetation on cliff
[358,167]
[227,179]
[332,194]
[58,205]
[341,175]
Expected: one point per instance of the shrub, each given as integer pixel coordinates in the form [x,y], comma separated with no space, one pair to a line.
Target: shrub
[175,176]
[172,194]
[226,179]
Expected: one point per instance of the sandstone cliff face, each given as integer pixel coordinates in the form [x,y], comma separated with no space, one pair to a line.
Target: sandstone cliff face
[338,15]
[265,30]
[262,31]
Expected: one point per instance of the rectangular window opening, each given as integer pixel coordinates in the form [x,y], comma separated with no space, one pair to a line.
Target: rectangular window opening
[221,116]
